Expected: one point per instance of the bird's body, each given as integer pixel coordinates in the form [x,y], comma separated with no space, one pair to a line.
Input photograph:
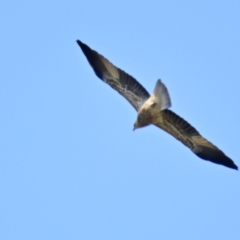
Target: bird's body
[150,111]
[153,109]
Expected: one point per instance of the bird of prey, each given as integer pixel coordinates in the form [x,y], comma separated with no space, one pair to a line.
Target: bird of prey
[154,108]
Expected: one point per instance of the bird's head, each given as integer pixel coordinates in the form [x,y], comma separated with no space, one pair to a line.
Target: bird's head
[146,113]
[142,121]
[135,126]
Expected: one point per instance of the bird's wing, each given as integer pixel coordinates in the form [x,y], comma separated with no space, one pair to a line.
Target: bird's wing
[119,80]
[189,136]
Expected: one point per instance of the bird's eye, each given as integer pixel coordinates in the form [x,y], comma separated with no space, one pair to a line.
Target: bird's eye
[153,104]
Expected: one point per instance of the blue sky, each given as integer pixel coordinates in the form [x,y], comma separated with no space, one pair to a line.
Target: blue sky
[71,167]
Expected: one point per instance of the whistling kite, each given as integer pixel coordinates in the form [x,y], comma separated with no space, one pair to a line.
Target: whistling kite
[153,109]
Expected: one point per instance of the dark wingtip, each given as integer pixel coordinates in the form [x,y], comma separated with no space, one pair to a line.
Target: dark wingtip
[218,157]
[80,43]
[86,49]
[235,167]
[93,58]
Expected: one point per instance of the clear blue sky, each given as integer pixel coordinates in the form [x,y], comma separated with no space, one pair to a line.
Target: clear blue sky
[70,165]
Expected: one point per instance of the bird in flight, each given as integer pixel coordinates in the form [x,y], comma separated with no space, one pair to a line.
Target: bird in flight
[154,108]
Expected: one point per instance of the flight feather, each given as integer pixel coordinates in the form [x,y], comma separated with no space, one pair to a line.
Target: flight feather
[189,136]
[119,80]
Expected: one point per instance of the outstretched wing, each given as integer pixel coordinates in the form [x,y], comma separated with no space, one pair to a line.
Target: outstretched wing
[119,80]
[189,136]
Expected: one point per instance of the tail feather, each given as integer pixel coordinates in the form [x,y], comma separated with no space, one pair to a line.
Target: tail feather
[161,95]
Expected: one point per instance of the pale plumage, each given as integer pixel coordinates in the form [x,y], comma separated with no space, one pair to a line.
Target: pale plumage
[152,109]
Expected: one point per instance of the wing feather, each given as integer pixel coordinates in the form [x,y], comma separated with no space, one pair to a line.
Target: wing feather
[189,136]
[119,80]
